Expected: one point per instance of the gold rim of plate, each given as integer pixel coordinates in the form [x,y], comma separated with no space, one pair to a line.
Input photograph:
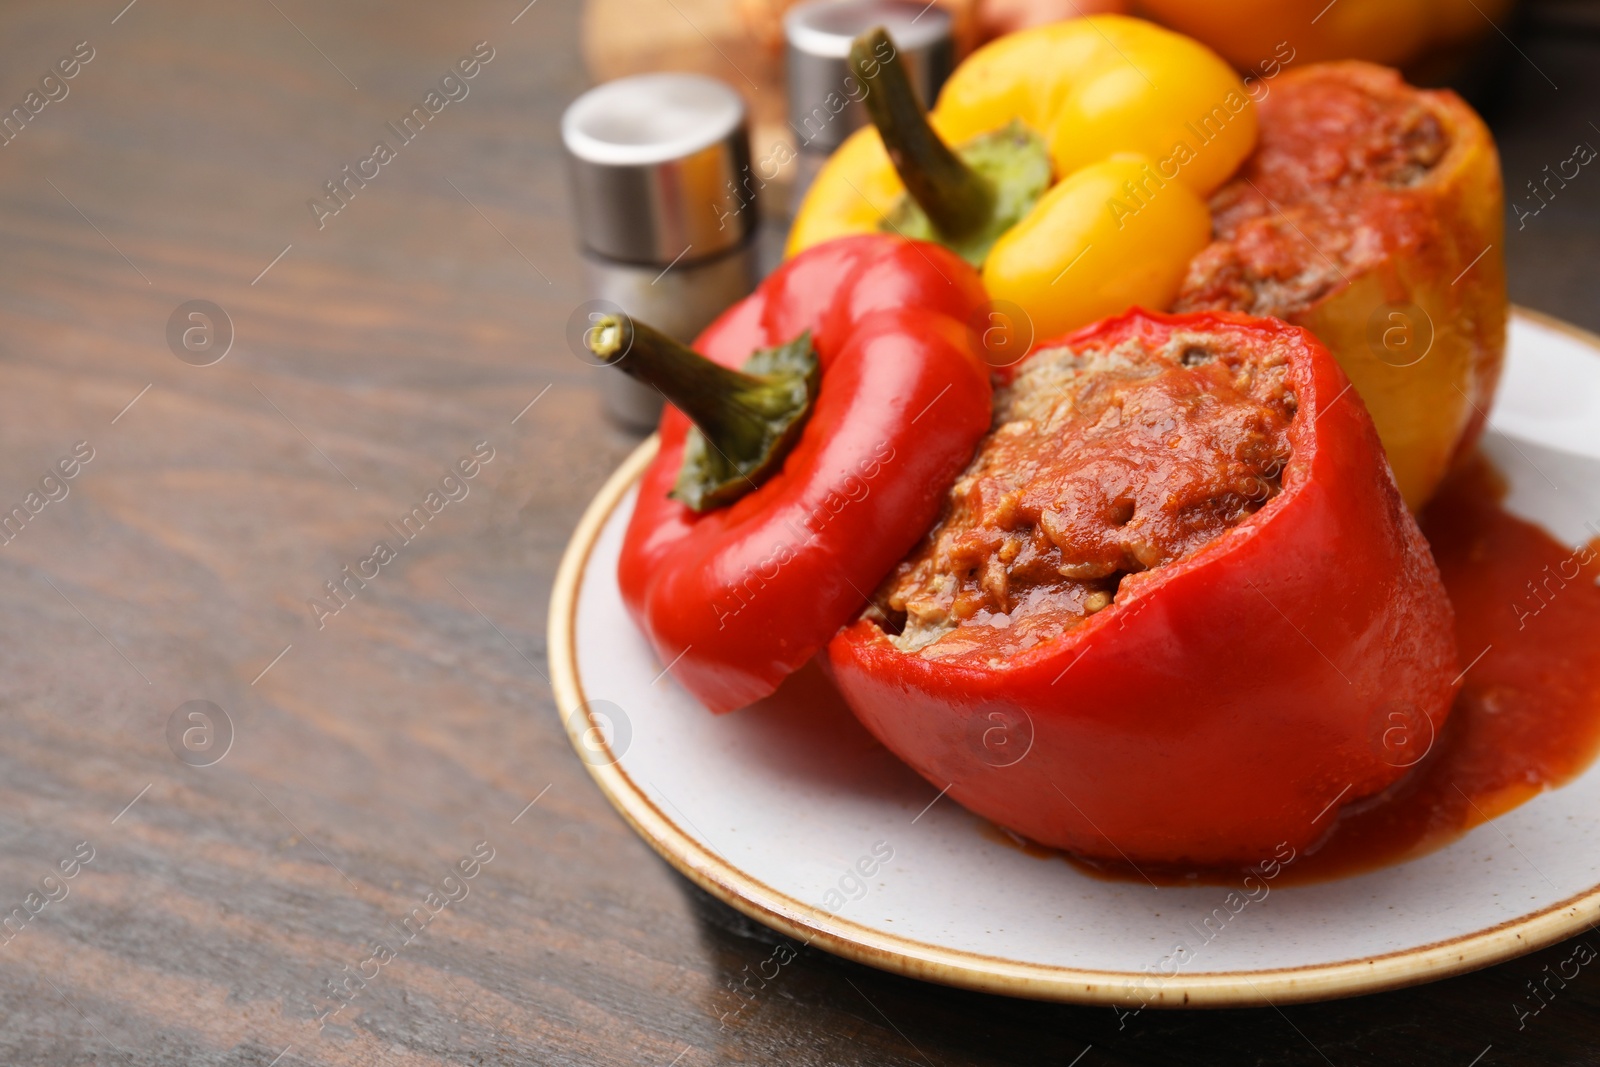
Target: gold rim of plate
[993,974]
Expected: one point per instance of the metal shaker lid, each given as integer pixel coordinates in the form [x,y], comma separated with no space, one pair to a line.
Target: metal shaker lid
[824,96]
[657,164]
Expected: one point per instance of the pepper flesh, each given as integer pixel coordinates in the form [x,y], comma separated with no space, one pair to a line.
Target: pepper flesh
[1126,109]
[1228,700]
[1372,214]
[736,598]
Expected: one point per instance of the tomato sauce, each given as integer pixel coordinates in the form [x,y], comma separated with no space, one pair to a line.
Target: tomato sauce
[1337,183]
[1103,464]
[1527,718]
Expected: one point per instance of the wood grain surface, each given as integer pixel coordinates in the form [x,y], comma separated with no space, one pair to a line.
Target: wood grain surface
[379,754]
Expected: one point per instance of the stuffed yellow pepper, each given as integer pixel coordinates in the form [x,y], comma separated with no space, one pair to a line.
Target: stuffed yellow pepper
[1371,214]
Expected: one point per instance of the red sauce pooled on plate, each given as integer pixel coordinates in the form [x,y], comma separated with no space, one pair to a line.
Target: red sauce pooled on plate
[1528,715]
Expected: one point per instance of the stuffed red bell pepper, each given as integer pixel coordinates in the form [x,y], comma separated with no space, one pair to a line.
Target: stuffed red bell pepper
[1172,606]
[764,523]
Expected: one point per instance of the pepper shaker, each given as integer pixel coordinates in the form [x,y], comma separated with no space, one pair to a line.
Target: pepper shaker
[656,163]
[825,97]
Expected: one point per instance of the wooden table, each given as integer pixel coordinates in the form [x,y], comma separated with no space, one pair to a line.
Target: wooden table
[376,749]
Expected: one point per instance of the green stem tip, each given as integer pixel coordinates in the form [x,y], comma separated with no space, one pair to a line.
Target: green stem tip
[746,421]
[964,198]
[957,199]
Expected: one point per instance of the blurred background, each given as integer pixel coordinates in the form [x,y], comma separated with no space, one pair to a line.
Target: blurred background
[349,359]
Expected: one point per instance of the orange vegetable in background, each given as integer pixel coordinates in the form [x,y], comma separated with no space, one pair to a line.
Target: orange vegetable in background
[1393,32]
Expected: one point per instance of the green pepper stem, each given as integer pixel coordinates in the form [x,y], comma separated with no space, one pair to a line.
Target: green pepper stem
[957,199]
[734,410]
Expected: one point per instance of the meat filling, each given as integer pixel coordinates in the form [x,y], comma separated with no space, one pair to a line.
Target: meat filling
[1101,465]
[1324,196]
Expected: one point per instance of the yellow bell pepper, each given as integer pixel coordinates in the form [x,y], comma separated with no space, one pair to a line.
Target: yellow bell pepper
[1135,124]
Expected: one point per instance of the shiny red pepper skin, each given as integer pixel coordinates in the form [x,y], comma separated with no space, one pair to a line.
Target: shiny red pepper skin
[738,598]
[1229,703]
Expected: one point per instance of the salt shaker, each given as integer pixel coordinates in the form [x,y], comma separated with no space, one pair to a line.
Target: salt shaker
[824,96]
[656,163]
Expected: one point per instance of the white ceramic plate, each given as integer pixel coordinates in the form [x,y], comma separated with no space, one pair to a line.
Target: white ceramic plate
[778,809]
